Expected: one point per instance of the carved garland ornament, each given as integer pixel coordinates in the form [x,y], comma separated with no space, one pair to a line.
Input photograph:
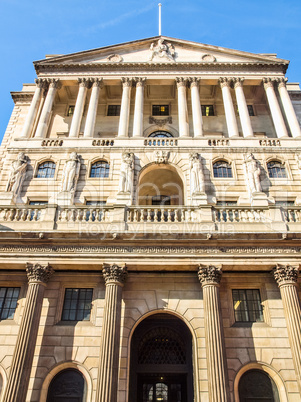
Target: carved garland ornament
[285,274]
[209,275]
[114,273]
[38,273]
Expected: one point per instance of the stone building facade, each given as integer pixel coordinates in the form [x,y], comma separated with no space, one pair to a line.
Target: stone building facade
[150,226]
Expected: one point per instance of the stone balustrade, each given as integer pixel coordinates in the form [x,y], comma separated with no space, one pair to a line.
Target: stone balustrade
[158,142]
[53,217]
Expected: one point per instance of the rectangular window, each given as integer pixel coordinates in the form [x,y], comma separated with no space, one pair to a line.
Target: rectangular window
[247,305]
[251,110]
[77,305]
[8,302]
[114,110]
[70,111]
[207,110]
[160,110]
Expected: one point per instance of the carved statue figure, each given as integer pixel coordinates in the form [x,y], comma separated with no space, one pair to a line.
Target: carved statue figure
[17,174]
[126,173]
[162,50]
[197,178]
[253,173]
[71,173]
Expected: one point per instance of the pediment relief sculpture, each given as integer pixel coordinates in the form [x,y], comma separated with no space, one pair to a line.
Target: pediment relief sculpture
[162,50]
[114,58]
[209,58]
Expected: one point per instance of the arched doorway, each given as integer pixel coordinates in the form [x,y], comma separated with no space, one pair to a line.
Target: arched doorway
[256,385]
[67,386]
[161,361]
[160,184]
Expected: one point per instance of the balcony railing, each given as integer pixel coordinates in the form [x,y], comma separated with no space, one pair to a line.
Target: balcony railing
[124,218]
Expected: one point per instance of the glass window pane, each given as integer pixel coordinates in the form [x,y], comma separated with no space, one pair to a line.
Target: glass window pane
[247,305]
[77,304]
[8,302]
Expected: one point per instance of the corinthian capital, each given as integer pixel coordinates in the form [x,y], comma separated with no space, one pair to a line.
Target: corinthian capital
[96,82]
[84,82]
[281,82]
[194,82]
[209,275]
[38,272]
[225,82]
[114,274]
[54,83]
[268,82]
[285,274]
[41,82]
[238,82]
[181,82]
[127,81]
[140,81]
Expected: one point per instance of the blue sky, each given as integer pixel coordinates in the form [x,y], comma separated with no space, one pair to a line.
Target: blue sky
[29,29]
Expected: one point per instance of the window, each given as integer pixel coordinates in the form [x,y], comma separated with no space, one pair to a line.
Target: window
[247,305]
[8,302]
[251,110]
[222,169]
[160,134]
[276,170]
[77,305]
[160,110]
[46,170]
[114,110]
[207,110]
[70,111]
[67,386]
[256,385]
[100,169]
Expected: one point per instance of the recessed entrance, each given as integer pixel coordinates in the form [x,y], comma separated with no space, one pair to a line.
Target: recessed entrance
[161,361]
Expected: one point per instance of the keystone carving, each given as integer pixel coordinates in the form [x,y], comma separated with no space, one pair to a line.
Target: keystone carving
[209,275]
[38,273]
[285,274]
[114,273]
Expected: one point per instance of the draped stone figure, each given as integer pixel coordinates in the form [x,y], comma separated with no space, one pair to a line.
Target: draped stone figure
[17,175]
[71,173]
[252,173]
[126,173]
[197,178]
[162,50]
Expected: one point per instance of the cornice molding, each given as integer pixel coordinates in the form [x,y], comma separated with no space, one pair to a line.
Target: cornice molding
[22,96]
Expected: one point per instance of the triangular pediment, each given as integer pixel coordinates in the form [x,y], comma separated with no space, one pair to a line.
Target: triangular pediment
[160,49]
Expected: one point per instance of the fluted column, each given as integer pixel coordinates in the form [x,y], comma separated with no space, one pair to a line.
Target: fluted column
[209,277]
[107,384]
[196,107]
[19,374]
[79,106]
[288,108]
[42,128]
[30,118]
[276,113]
[92,111]
[286,278]
[243,108]
[182,107]
[123,129]
[138,113]
[225,84]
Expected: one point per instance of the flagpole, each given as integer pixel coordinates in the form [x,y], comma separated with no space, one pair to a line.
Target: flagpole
[160,5]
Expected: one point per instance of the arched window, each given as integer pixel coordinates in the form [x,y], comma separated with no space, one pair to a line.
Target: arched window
[67,386]
[256,385]
[222,169]
[161,134]
[100,169]
[276,170]
[46,170]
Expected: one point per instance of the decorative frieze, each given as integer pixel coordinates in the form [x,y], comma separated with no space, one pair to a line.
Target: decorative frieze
[38,273]
[285,274]
[114,273]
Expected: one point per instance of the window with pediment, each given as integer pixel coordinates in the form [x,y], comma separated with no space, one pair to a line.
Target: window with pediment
[100,169]
[46,170]
[222,169]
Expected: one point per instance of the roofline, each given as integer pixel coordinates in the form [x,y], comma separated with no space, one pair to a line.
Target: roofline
[183,41]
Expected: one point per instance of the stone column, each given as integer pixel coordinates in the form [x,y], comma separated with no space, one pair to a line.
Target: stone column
[276,113]
[225,84]
[123,129]
[30,118]
[209,277]
[42,128]
[196,107]
[182,107]
[243,108]
[138,114]
[79,107]
[286,278]
[288,108]
[92,111]
[107,384]
[19,374]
